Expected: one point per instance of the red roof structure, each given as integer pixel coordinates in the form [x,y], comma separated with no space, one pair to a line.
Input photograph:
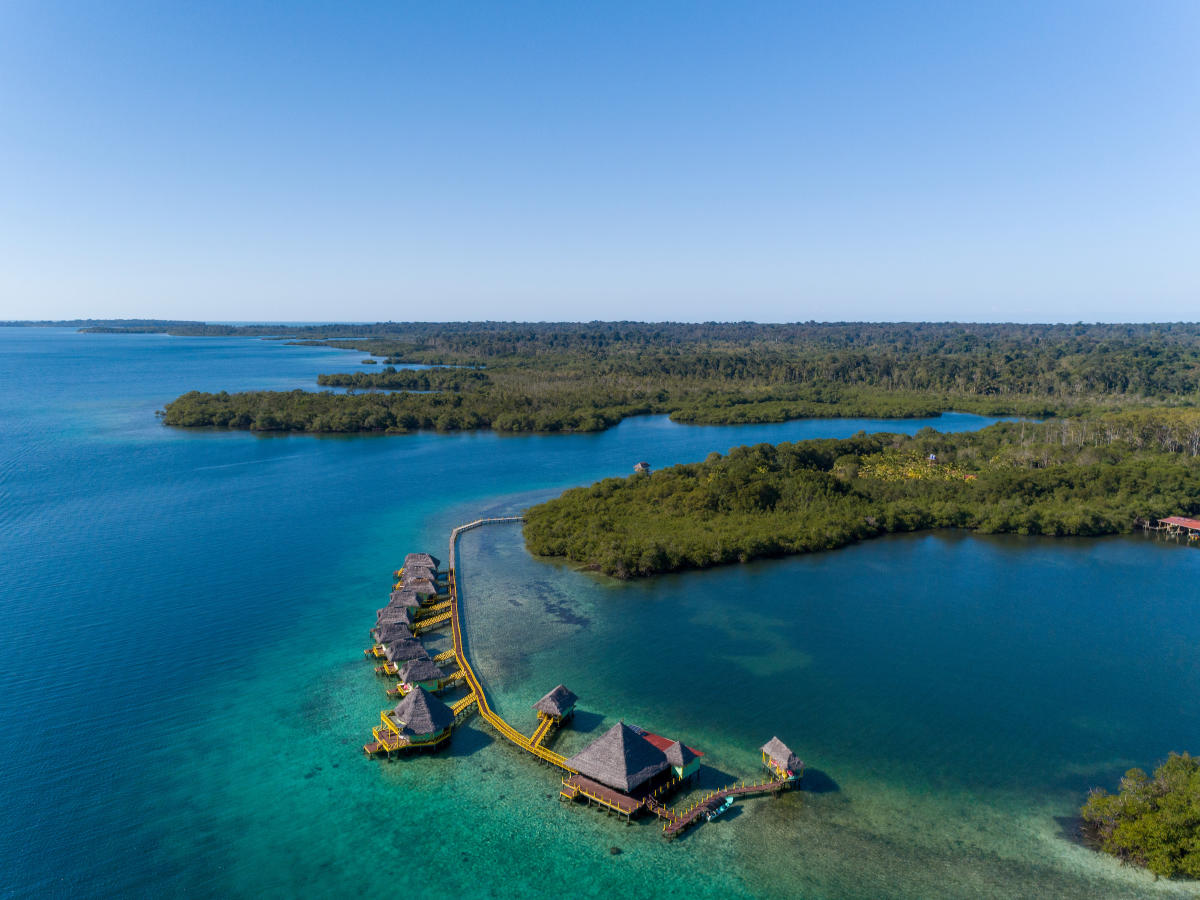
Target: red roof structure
[663,743]
[1181,522]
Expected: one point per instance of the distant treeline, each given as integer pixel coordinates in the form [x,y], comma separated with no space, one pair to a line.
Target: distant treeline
[584,377]
[390,378]
[1088,477]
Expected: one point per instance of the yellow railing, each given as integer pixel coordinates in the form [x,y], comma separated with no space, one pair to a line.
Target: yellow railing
[485,710]
[427,623]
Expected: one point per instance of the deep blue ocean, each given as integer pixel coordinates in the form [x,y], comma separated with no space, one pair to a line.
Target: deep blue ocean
[184,699]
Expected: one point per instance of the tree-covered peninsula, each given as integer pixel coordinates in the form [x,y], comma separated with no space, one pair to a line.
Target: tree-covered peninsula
[1151,822]
[1071,477]
[550,377]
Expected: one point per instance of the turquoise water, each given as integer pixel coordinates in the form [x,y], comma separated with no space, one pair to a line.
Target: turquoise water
[184,697]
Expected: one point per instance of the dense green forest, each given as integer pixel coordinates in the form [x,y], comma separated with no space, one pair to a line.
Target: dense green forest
[1152,822]
[585,377]
[1070,477]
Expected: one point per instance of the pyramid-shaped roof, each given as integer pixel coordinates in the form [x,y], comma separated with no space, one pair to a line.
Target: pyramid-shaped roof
[421,587]
[422,713]
[412,573]
[780,754]
[420,669]
[620,758]
[403,598]
[557,702]
[421,559]
[679,755]
[393,616]
[402,650]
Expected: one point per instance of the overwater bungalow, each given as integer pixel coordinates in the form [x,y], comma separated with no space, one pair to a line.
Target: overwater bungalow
[403,650]
[421,672]
[404,597]
[422,559]
[422,588]
[418,721]
[394,615]
[780,760]
[389,632]
[417,572]
[685,762]
[556,705]
[620,759]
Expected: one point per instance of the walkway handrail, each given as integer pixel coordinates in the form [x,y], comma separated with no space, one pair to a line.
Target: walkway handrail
[485,709]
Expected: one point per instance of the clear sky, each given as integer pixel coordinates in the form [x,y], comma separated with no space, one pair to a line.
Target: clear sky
[983,161]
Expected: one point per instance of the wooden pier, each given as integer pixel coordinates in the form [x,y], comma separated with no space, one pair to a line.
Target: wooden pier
[574,785]
[485,711]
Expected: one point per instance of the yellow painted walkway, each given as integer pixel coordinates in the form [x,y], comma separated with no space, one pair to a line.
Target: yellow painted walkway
[485,710]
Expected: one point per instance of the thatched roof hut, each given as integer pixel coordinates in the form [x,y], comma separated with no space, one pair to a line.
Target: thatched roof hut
[404,597]
[401,651]
[394,615]
[620,758]
[387,632]
[416,572]
[557,703]
[420,670]
[680,755]
[778,755]
[422,559]
[422,588]
[420,713]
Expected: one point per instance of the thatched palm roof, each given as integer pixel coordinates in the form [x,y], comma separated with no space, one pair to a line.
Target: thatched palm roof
[394,615]
[679,755]
[414,572]
[387,632]
[422,587]
[557,702]
[404,597]
[401,651]
[779,753]
[420,670]
[422,713]
[421,559]
[620,758]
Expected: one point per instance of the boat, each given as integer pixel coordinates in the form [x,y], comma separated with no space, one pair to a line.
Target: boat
[719,810]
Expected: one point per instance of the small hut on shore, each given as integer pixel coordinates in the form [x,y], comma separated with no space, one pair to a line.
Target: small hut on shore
[642,468]
[420,718]
[423,672]
[620,758]
[556,705]
[422,559]
[779,759]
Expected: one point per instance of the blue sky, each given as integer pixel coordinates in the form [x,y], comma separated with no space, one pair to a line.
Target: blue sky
[979,161]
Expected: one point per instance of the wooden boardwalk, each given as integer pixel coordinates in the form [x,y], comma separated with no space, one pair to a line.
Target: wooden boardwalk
[485,710]
[676,824]
[575,786]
